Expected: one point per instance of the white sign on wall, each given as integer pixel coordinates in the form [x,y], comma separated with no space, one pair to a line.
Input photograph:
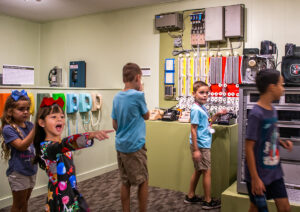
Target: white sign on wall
[146,72]
[16,75]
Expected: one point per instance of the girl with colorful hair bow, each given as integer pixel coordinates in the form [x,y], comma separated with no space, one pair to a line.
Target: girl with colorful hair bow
[17,137]
[54,155]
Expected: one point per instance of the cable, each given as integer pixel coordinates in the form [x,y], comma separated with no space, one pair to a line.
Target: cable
[176,36]
[98,120]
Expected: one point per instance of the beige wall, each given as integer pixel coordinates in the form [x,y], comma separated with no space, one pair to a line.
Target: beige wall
[106,41]
[20,43]
[90,162]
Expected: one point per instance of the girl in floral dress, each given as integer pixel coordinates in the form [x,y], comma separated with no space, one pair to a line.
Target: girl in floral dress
[54,155]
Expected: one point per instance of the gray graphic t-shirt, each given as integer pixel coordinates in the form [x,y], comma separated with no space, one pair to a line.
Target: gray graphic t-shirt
[20,161]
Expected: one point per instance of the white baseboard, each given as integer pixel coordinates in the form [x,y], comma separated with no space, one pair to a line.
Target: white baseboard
[6,201]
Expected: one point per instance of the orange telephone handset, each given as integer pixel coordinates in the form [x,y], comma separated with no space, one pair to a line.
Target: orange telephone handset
[3,98]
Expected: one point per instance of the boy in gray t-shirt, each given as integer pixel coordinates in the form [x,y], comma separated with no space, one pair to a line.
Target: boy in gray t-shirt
[263,170]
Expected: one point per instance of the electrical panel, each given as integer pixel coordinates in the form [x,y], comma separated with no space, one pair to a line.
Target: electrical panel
[198,28]
[234,21]
[77,74]
[169,78]
[214,24]
[169,22]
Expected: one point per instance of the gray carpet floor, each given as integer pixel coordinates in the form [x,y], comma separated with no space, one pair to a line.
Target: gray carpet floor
[103,194]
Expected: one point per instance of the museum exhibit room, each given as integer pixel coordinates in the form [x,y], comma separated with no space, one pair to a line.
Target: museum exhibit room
[162,105]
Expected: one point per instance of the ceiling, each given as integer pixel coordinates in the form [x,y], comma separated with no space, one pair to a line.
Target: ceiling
[49,10]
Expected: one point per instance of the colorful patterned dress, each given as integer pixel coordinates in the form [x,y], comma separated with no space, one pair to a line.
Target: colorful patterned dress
[62,186]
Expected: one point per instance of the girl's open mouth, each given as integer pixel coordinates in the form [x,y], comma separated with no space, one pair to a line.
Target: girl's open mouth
[58,127]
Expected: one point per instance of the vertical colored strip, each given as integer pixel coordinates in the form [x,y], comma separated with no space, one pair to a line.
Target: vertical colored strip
[207,69]
[240,67]
[184,77]
[191,75]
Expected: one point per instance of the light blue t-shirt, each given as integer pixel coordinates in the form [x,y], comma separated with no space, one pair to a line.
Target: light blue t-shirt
[128,110]
[200,117]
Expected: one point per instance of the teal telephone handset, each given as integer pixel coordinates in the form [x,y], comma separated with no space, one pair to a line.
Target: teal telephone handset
[72,109]
[85,102]
[72,102]
[85,105]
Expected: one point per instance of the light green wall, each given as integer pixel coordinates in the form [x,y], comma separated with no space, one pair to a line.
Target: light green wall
[19,43]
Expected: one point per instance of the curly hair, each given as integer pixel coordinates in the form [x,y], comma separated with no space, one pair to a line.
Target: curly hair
[8,119]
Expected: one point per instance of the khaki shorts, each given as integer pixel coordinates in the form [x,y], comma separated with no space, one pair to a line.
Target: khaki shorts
[19,182]
[205,162]
[133,167]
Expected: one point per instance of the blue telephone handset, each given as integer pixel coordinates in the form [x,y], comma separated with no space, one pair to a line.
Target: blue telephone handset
[85,102]
[72,102]
[85,105]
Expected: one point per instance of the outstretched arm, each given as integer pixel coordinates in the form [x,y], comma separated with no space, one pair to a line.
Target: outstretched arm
[50,149]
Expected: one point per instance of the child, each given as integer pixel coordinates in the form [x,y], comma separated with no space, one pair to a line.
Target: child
[263,172]
[55,156]
[200,144]
[128,114]
[17,145]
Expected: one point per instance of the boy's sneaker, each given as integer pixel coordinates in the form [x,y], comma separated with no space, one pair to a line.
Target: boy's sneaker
[211,205]
[193,200]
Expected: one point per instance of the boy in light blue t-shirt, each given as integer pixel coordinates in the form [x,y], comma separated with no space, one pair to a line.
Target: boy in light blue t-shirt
[200,144]
[128,114]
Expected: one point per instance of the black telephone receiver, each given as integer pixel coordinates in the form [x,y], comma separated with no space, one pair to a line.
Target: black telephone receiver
[74,76]
[227,119]
[52,72]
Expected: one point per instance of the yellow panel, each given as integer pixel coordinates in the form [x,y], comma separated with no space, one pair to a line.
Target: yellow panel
[191,75]
[32,105]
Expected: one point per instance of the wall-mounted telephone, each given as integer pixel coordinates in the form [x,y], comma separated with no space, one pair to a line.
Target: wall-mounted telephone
[85,105]
[96,102]
[72,108]
[85,102]
[96,106]
[74,76]
[77,74]
[55,77]
[72,102]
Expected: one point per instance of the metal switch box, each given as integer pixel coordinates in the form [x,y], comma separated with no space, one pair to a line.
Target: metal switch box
[214,24]
[234,21]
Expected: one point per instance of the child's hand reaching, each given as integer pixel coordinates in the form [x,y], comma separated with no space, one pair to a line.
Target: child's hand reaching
[100,135]
[222,112]
[287,145]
